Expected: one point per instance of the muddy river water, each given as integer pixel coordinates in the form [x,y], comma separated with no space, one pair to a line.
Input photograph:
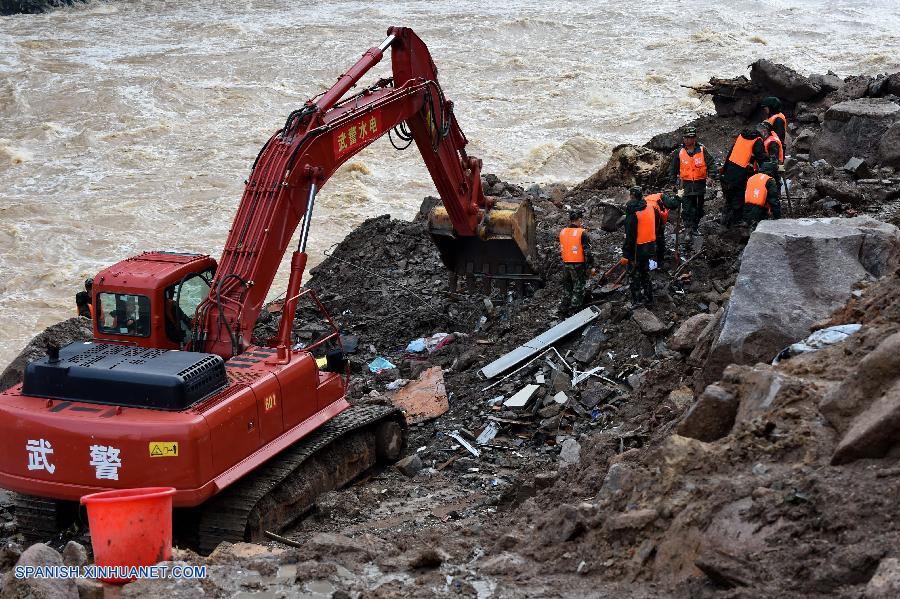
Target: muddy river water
[131,125]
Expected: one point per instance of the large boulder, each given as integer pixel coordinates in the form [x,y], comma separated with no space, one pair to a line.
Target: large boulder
[60,334]
[38,588]
[782,81]
[889,146]
[793,273]
[855,128]
[629,165]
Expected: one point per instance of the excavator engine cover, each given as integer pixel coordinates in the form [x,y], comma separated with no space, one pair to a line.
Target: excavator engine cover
[504,249]
[123,375]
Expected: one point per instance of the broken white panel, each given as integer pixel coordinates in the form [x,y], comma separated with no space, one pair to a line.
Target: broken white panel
[561,397]
[539,377]
[542,341]
[488,434]
[464,443]
[583,375]
[521,397]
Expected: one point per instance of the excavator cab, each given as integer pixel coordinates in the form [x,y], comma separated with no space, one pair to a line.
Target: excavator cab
[150,300]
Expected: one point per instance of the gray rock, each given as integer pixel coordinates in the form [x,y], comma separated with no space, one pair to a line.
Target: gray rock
[711,417]
[782,81]
[89,588]
[410,465]
[858,167]
[633,519]
[38,588]
[793,273]
[874,432]
[647,321]
[889,146]
[869,380]
[610,216]
[687,335]
[681,398]
[595,394]
[544,480]
[839,190]
[828,82]
[885,583]
[802,141]
[570,453]
[854,128]
[618,478]
[589,346]
[61,334]
[74,554]
[560,381]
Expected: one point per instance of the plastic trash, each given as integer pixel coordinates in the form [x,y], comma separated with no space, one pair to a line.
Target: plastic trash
[429,344]
[379,364]
[818,340]
[416,345]
[653,265]
[130,527]
[394,385]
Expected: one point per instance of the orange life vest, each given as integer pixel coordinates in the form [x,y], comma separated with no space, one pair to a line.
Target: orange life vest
[771,120]
[646,225]
[570,245]
[742,152]
[757,193]
[774,139]
[693,168]
[655,200]
[90,308]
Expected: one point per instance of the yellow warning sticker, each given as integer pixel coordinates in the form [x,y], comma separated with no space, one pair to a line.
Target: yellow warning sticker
[163,449]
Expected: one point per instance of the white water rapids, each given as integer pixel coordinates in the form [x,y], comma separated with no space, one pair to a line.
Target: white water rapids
[131,125]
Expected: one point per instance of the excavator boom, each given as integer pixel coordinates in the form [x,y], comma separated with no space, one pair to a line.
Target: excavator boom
[473,234]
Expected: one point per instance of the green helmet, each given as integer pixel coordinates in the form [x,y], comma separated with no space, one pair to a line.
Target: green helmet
[576,213]
[772,103]
[689,132]
[637,192]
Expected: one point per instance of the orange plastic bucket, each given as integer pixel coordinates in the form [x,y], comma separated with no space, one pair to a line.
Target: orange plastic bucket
[130,527]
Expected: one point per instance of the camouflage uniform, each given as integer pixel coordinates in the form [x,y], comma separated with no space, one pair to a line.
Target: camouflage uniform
[575,278]
[694,191]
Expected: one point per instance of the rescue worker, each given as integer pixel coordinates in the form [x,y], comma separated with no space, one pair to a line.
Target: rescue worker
[662,203]
[747,152]
[84,301]
[762,198]
[772,111]
[772,143]
[577,260]
[643,226]
[692,165]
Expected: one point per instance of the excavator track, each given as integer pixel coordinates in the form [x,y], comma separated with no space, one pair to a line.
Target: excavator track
[286,487]
[40,519]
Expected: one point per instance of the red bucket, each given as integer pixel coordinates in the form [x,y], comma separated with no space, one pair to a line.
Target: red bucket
[130,527]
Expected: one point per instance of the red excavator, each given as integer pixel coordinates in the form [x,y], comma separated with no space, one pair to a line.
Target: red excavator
[172,391]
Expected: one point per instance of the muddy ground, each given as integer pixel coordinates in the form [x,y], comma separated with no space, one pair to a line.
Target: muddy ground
[594,496]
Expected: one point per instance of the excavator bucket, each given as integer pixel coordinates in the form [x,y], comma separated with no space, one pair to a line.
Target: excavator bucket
[503,254]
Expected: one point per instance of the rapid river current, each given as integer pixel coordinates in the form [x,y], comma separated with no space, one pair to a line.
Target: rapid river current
[131,125]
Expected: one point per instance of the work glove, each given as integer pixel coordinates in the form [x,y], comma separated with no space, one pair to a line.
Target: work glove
[623,261]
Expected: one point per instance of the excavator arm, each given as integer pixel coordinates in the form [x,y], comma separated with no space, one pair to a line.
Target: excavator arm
[300,157]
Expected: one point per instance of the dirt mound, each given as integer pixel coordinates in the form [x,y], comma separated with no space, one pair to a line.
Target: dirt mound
[60,334]
[761,509]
